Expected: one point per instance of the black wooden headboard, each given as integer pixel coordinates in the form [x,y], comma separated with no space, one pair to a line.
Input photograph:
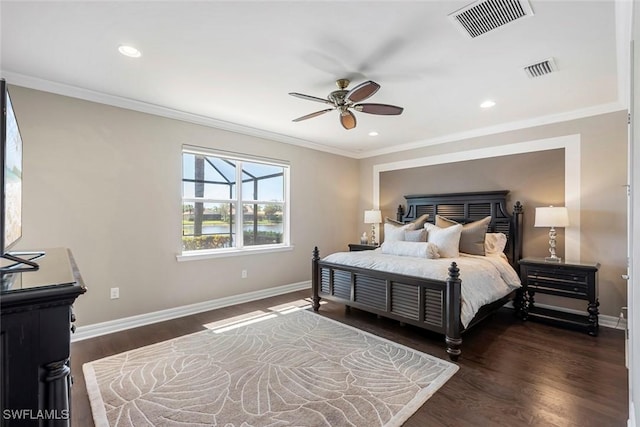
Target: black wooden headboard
[468,207]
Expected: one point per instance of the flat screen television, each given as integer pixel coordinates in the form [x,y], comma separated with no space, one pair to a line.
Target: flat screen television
[11,185]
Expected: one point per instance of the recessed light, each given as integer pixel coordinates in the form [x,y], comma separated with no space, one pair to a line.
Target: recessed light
[373,133]
[487,104]
[129,51]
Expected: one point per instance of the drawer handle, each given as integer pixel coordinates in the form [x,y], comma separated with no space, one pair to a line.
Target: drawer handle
[73,329]
[73,317]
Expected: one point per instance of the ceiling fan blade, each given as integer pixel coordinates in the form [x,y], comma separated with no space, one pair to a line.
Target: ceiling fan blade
[382,109]
[310,98]
[312,115]
[347,119]
[362,91]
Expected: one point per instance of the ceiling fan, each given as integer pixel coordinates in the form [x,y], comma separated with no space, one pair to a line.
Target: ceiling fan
[345,100]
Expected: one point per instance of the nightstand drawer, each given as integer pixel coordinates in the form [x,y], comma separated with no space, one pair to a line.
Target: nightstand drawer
[573,284]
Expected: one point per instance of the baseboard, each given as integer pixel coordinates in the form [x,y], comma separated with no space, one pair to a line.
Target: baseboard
[98,329]
[103,328]
[603,320]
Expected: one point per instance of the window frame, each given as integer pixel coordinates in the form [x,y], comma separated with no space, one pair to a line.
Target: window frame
[239,247]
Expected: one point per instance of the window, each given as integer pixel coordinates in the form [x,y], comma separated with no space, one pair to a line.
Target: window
[232,203]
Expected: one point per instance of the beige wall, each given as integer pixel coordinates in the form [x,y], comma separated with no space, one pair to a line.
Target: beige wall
[105,182]
[603,166]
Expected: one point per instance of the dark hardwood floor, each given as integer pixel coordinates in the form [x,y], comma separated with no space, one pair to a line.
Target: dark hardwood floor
[511,373]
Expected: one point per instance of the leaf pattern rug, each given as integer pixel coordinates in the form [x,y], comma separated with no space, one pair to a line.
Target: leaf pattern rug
[294,369]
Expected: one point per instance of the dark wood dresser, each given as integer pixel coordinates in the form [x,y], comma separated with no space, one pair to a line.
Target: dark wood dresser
[36,326]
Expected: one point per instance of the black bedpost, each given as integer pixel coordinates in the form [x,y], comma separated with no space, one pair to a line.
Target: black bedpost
[452,337]
[400,213]
[521,300]
[517,231]
[315,298]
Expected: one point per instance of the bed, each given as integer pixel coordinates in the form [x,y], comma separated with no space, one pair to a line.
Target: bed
[378,282]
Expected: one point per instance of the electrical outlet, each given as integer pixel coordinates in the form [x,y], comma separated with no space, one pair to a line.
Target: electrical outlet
[115,293]
[243,274]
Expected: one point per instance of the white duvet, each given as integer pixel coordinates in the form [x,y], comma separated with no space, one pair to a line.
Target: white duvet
[484,278]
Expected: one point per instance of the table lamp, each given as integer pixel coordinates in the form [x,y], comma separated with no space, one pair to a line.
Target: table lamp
[373,217]
[552,217]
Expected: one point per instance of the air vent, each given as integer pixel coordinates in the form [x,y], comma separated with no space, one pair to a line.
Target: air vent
[541,68]
[485,15]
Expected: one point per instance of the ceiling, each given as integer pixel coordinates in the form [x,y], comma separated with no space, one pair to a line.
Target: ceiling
[231,64]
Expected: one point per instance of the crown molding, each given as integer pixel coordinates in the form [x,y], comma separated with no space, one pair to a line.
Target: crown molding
[36,83]
[31,82]
[503,127]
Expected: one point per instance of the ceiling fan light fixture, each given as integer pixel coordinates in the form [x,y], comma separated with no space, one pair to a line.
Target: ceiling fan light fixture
[347,119]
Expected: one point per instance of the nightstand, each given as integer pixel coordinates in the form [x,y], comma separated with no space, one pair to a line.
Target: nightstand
[577,280]
[360,247]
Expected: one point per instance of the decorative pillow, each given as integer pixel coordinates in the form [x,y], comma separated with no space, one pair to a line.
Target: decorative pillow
[446,239]
[394,230]
[419,222]
[472,237]
[415,249]
[415,235]
[494,243]
[395,233]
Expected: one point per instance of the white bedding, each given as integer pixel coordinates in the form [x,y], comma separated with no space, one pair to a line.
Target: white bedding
[484,278]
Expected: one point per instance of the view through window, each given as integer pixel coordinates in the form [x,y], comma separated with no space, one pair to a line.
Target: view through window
[219,214]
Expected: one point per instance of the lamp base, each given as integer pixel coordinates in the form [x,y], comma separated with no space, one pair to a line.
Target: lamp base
[553,259]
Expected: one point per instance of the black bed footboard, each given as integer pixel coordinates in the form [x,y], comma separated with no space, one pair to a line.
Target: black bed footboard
[429,304]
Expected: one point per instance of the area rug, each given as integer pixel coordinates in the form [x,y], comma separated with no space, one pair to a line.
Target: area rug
[293,369]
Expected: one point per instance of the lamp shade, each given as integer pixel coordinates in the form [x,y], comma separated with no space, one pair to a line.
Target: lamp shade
[552,217]
[372,217]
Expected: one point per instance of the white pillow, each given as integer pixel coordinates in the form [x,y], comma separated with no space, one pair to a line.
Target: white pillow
[395,233]
[415,249]
[394,230]
[447,239]
[494,243]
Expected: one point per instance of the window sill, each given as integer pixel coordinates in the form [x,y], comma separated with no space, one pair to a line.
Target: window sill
[198,255]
